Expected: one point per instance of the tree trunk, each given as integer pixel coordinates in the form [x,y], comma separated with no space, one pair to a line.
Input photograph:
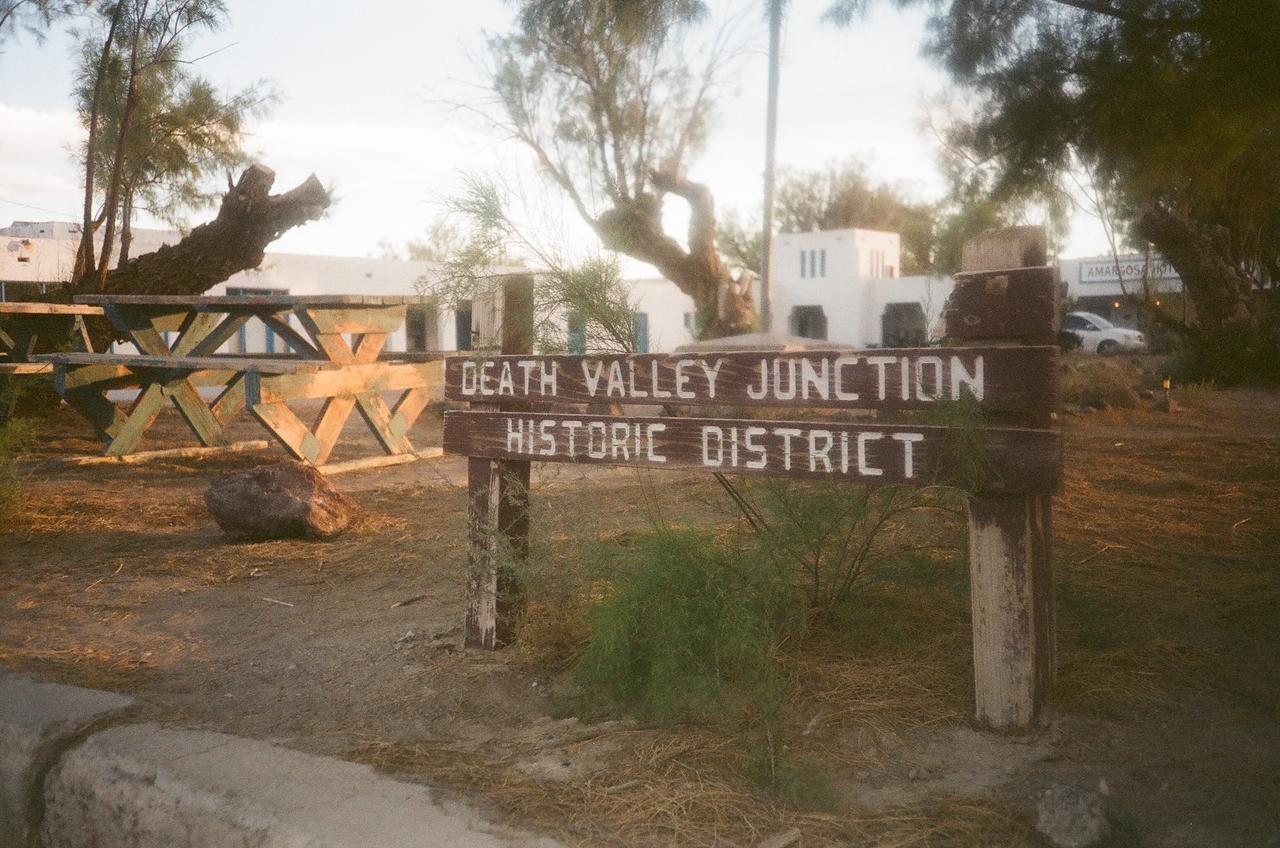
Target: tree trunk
[249,219]
[112,203]
[84,255]
[126,226]
[1232,334]
[723,304]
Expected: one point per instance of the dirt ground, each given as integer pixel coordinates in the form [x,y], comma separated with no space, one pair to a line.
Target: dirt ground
[1167,559]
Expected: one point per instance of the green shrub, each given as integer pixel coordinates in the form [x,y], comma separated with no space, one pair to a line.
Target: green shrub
[796,781]
[689,630]
[15,436]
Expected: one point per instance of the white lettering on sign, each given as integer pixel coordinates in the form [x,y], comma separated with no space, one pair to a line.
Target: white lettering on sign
[909,378]
[816,450]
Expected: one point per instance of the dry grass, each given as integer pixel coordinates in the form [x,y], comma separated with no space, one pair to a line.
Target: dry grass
[1167,536]
[683,788]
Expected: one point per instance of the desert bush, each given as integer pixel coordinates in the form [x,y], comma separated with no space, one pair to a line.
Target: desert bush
[689,630]
[1193,394]
[829,534]
[1100,382]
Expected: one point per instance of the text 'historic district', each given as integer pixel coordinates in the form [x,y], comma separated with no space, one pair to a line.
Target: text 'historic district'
[1019,460]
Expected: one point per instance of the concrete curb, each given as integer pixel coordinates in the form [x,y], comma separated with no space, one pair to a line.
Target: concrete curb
[146,785]
[39,722]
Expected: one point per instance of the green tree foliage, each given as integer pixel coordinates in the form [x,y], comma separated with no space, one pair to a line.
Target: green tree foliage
[157,131]
[33,16]
[835,197]
[481,235]
[1172,105]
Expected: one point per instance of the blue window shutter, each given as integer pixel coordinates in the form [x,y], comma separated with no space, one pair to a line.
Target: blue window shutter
[641,323]
[802,266]
[577,333]
[823,255]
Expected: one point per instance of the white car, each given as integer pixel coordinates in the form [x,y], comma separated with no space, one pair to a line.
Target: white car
[1098,335]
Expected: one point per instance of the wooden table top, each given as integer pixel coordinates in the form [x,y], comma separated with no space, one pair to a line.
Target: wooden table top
[17,307]
[280,300]
[189,363]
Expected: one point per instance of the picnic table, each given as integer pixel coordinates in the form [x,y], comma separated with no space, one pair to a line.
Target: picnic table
[336,354]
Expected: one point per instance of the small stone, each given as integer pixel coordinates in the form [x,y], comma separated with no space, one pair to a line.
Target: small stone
[281,500]
[1072,816]
[913,775]
[406,641]
[1010,770]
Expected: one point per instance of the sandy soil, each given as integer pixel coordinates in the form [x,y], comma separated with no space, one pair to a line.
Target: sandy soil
[1168,565]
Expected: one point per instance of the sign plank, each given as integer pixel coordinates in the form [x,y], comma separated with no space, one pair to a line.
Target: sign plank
[1021,380]
[1018,305]
[1017,460]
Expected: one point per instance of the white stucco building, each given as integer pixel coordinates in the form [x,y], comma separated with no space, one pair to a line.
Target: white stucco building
[844,286]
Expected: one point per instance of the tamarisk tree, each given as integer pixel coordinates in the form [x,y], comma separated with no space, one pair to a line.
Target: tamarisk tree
[156,131]
[602,94]
[1172,106]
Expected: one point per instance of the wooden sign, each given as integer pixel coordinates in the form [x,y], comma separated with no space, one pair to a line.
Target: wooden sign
[1005,301]
[1017,460]
[1014,380]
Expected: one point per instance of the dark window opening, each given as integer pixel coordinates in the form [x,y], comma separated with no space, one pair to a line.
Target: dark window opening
[809,322]
[903,325]
[462,327]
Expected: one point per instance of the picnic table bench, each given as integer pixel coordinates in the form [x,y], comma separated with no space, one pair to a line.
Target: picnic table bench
[23,325]
[337,356]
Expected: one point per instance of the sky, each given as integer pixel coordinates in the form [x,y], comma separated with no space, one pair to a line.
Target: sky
[362,90]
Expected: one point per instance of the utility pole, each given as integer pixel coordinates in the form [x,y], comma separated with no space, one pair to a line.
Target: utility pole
[770,154]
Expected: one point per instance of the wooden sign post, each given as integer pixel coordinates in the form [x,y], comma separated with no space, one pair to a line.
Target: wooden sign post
[498,499]
[1010,535]
[1001,323]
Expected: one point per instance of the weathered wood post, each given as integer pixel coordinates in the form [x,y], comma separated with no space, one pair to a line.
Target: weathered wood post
[498,500]
[1006,295]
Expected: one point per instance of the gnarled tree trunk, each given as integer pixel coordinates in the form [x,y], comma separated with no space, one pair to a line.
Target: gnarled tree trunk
[1234,334]
[723,303]
[249,219]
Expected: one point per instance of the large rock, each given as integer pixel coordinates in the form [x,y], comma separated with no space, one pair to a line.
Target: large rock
[278,501]
[38,722]
[1072,816]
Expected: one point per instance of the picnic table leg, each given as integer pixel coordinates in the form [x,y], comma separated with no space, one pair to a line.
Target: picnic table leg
[202,421]
[94,406]
[333,416]
[140,417]
[231,401]
[288,429]
[374,411]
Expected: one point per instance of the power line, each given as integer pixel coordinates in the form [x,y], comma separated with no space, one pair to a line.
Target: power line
[38,208]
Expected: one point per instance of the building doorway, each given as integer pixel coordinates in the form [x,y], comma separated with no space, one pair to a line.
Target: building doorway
[809,322]
[421,327]
[903,325]
[462,326]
